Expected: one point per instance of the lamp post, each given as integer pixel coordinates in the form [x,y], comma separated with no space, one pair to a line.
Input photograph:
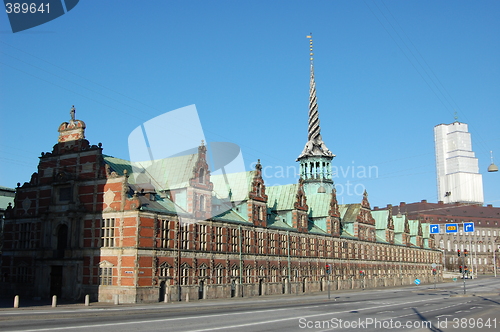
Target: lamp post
[495,262]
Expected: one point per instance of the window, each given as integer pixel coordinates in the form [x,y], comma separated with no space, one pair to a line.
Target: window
[22,273]
[202,203]
[260,242]
[201,178]
[203,271]
[184,274]
[65,194]
[106,276]
[218,238]
[248,242]
[24,235]
[108,232]
[203,237]
[234,240]
[164,231]
[165,270]
[184,236]
[219,274]
[272,243]
[248,275]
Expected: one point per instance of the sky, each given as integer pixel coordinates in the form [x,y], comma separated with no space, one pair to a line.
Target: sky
[386,73]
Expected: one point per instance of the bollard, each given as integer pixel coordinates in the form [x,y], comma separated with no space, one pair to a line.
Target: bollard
[187,297]
[167,296]
[54,301]
[87,300]
[117,299]
[16,301]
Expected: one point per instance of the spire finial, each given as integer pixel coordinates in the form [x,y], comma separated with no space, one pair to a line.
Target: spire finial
[455,116]
[314,129]
[310,47]
[72,113]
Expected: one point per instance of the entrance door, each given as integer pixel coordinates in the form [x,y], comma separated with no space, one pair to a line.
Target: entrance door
[261,287]
[162,291]
[56,279]
[233,288]
[201,289]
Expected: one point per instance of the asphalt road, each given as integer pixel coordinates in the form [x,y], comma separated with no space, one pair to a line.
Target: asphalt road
[413,308]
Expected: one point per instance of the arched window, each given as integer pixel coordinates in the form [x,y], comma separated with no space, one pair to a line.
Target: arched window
[202,203]
[201,176]
[259,189]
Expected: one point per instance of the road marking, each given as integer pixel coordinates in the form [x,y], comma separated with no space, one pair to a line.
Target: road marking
[215,315]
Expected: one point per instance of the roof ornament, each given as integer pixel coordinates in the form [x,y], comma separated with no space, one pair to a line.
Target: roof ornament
[72,113]
[455,116]
[315,145]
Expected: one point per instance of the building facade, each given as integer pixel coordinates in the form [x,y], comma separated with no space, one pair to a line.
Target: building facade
[482,245]
[458,177]
[84,225]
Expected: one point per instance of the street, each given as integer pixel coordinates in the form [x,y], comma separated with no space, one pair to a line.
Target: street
[414,308]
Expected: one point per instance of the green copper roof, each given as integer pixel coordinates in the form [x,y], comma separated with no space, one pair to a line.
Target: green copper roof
[313,229]
[275,221]
[319,204]
[231,216]
[281,197]
[238,183]
[399,223]
[160,204]
[4,202]
[381,217]
[168,173]
[349,212]
[413,225]
[425,230]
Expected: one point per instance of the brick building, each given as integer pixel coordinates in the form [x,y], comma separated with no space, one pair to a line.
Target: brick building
[84,225]
[483,244]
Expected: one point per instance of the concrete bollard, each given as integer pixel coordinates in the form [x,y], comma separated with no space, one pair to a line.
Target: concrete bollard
[116,298]
[16,301]
[167,296]
[187,297]
[54,301]
[87,300]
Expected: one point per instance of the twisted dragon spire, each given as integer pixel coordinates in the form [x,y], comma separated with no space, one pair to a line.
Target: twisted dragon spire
[315,145]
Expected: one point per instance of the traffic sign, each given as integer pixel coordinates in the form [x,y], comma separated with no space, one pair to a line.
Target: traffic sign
[434,265]
[417,281]
[468,227]
[434,229]
[451,228]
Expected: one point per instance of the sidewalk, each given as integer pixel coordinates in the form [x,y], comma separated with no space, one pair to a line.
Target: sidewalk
[46,304]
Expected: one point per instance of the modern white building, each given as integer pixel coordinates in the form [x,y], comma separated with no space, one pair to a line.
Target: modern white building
[458,178]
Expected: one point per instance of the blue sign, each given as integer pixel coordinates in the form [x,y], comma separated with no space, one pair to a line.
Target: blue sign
[434,229]
[468,227]
[451,228]
[417,281]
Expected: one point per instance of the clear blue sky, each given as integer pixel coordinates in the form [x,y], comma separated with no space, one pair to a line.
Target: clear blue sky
[387,72]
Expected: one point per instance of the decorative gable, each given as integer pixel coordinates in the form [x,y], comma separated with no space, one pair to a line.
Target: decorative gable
[257,203]
[201,171]
[300,197]
[300,218]
[258,188]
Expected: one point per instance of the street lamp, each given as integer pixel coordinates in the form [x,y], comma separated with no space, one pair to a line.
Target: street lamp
[492,167]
